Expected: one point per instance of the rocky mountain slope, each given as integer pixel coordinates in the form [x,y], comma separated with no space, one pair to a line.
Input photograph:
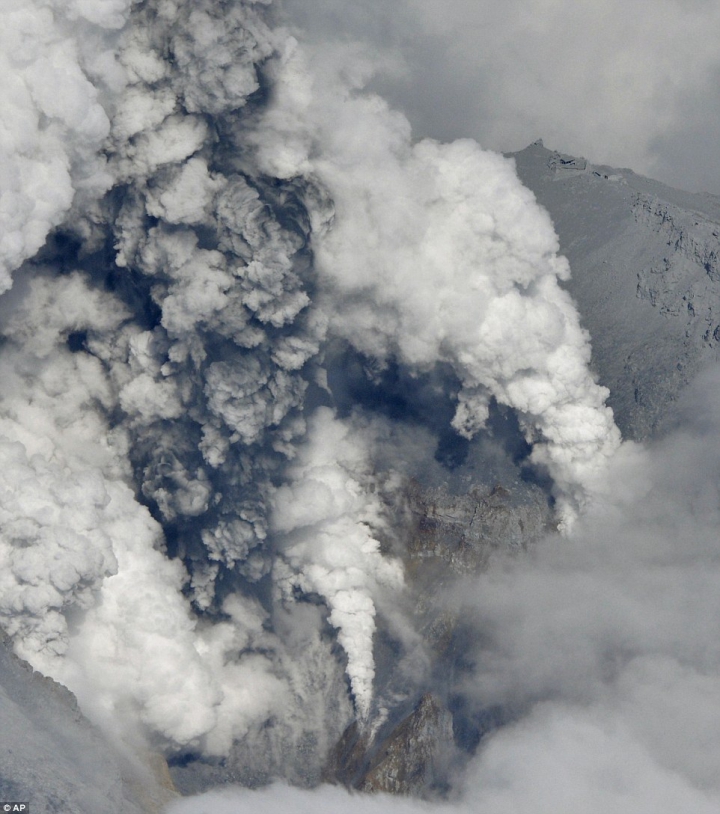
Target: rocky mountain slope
[645,262]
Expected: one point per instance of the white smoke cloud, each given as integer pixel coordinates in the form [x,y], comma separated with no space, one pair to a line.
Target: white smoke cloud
[330,516]
[617,776]
[436,253]
[140,649]
[55,546]
[58,66]
[236,801]
[79,551]
[570,760]
[618,82]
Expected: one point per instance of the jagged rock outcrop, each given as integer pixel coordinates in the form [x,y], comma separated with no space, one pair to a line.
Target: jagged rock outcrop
[454,535]
[462,531]
[410,758]
[447,536]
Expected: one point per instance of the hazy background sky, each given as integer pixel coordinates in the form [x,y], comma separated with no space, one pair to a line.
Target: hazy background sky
[626,83]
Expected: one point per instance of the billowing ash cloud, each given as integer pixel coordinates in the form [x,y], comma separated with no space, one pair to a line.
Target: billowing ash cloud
[168,376]
[58,64]
[190,522]
[75,540]
[436,253]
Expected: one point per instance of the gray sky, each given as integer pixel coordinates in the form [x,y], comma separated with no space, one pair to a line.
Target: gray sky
[629,83]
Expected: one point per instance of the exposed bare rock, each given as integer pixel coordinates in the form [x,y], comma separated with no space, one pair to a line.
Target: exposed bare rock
[463,530]
[412,757]
[348,759]
[455,535]
[409,759]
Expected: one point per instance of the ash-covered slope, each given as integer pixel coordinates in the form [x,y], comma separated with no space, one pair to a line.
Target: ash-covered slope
[645,262]
[52,757]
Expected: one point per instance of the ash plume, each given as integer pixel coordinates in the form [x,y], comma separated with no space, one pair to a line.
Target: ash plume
[191,524]
[58,60]
[437,254]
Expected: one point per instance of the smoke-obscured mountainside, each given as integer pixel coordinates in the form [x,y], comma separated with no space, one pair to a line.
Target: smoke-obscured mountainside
[311,440]
[645,275]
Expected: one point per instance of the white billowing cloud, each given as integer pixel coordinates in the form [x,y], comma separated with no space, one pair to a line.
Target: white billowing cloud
[45,311]
[329,515]
[187,196]
[56,548]
[436,253]
[627,83]
[281,797]
[604,646]
[564,760]
[88,595]
[140,649]
[59,73]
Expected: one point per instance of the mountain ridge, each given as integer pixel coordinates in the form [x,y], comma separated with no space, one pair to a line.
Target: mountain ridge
[644,273]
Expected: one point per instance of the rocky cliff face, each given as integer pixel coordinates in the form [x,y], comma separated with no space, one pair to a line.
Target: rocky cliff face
[410,759]
[462,531]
